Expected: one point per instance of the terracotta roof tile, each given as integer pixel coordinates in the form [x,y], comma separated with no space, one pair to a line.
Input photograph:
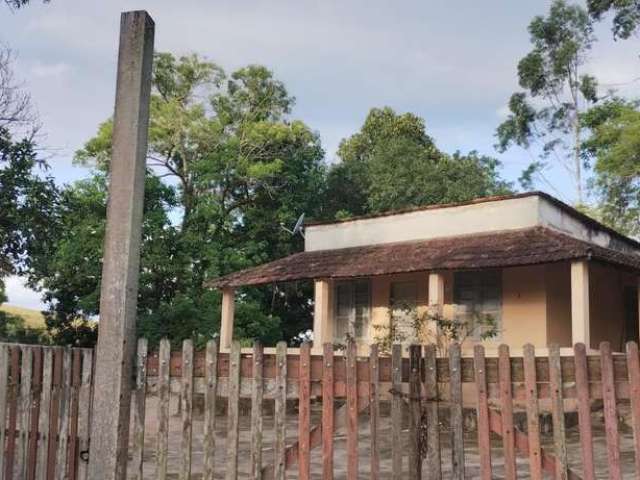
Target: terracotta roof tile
[500,249]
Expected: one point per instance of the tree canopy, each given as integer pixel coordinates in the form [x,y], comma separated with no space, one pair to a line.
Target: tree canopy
[556,92]
[614,147]
[393,163]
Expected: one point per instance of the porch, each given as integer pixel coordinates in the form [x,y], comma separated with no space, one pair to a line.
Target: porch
[540,287]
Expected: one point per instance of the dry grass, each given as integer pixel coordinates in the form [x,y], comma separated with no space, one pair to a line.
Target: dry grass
[33,319]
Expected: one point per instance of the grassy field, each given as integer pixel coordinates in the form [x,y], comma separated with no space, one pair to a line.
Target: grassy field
[32,318]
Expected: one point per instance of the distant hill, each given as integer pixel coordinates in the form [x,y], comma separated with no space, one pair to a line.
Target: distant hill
[33,319]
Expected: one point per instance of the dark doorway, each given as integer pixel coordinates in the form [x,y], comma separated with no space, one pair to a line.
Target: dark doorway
[630,314]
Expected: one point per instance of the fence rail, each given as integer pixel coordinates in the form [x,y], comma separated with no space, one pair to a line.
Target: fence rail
[45,402]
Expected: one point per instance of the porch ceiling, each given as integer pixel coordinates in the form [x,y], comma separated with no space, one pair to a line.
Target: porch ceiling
[500,249]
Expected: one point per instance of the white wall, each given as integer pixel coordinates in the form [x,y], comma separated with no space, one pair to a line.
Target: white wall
[425,224]
[482,217]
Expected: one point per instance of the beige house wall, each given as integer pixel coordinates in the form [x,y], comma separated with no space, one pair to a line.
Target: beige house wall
[524,313]
[536,304]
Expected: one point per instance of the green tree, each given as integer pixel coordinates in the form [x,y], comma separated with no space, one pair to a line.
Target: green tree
[392,163]
[556,94]
[226,167]
[626,15]
[614,147]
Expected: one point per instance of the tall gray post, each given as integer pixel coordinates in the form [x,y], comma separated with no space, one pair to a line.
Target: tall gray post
[118,295]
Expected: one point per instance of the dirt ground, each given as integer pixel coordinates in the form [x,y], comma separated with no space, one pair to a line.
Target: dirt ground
[471,452]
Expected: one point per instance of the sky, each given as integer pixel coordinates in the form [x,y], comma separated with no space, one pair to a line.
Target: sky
[451,62]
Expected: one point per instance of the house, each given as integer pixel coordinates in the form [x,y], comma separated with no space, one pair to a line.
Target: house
[537,269]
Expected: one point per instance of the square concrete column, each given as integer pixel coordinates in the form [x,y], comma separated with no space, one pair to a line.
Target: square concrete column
[227,316]
[121,265]
[435,302]
[580,302]
[322,327]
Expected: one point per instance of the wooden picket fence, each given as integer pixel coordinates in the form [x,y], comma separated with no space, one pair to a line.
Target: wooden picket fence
[45,401]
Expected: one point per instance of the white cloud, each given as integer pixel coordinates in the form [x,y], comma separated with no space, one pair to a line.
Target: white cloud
[55,70]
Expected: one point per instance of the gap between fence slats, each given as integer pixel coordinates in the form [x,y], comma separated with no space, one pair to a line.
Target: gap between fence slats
[138,399]
[482,412]
[374,413]
[280,411]
[13,412]
[506,404]
[186,401]
[557,413]
[352,411]
[431,396]
[584,411]
[456,414]
[327,412]
[257,397]
[210,409]
[533,414]
[84,414]
[610,415]
[162,448]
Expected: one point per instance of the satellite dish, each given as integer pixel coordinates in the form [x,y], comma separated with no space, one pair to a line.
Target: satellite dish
[297,228]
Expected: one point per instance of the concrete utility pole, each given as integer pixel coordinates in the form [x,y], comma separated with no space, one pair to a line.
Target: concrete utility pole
[118,296]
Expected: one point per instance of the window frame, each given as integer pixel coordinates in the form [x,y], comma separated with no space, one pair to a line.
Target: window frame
[351,325]
[498,273]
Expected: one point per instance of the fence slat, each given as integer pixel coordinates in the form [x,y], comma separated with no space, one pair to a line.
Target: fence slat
[72,457]
[584,410]
[186,400]
[24,408]
[374,411]
[84,406]
[327,412]
[455,413]
[65,401]
[45,404]
[396,412]
[633,369]
[233,413]
[415,412]
[352,410]
[557,412]
[610,415]
[162,449]
[304,412]
[13,411]
[506,405]
[54,412]
[434,470]
[36,387]
[4,388]
[139,407]
[211,374]
[482,411]
[280,410]
[257,396]
[533,413]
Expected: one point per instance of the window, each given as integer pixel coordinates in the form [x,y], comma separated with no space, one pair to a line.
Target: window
[404,299]
[478,295]
[352,309]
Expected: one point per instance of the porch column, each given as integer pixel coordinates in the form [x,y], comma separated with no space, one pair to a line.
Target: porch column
[580,302]
[435,302]
[322,328]
[226,322]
